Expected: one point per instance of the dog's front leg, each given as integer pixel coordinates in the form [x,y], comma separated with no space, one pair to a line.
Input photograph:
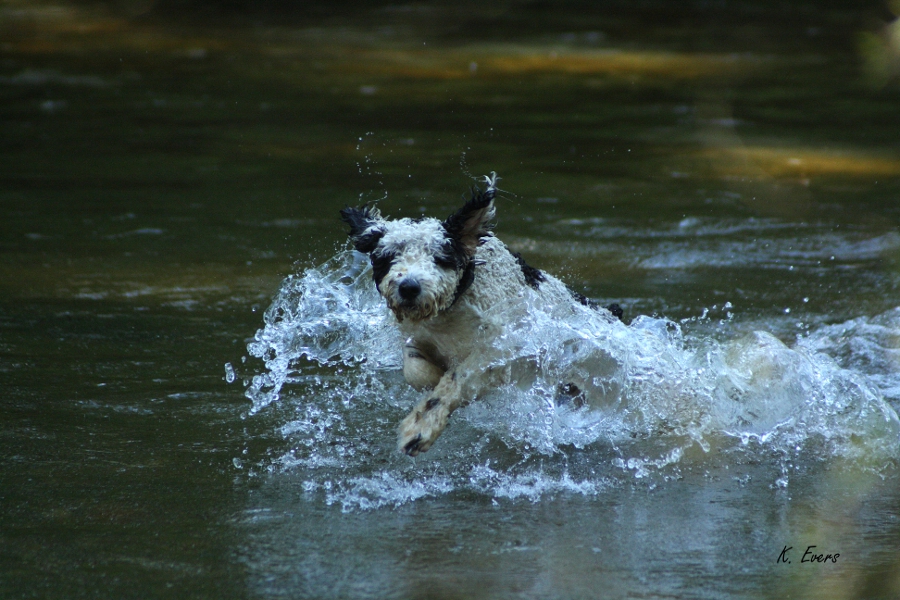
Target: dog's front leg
[421,427]
[420,369]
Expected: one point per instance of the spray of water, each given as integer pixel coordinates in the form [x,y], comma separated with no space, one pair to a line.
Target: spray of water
[660,399]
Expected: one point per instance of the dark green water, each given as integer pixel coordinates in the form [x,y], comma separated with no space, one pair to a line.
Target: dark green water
[164,168]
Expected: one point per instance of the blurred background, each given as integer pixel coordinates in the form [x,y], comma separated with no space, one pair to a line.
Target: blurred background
[164,165]
[208,135]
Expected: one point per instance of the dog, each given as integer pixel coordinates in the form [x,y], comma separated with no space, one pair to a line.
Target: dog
[443,281]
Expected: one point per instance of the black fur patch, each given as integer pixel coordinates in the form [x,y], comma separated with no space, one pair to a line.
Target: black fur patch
[453,254]
[465,282]
[456,224]
[533,277]
[432,403]
[445,262]
[412,447]
[583,299]
[616,311]
[614,308]
[381,264]
[359,220]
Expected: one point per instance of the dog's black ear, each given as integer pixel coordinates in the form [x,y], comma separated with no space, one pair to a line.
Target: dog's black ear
[365,227]
[473,221]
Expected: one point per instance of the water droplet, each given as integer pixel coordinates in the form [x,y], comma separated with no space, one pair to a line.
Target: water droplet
[229,373]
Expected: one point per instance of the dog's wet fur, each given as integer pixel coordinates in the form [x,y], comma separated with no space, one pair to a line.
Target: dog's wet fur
[441,279]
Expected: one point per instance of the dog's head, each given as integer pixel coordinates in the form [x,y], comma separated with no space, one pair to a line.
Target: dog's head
[421,266]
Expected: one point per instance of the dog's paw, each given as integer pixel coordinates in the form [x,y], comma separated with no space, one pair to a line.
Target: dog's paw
[413,446]
[419,430]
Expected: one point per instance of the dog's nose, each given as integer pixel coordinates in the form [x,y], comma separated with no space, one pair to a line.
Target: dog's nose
[409,289]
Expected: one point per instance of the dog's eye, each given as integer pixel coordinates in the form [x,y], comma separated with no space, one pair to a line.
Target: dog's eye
[381,264]
[445,261]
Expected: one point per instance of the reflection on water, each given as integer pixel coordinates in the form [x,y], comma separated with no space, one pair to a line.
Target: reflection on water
[722,169]
[568,546]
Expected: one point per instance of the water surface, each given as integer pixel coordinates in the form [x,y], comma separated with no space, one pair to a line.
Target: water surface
[170,173]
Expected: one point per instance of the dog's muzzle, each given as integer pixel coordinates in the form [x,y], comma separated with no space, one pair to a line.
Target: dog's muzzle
[409,289]
[409,301]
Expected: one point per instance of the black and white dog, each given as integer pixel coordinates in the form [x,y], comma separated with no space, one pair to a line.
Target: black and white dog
[443,280]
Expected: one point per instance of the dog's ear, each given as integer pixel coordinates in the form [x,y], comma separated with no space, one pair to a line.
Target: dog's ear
[473,221]
[365,226]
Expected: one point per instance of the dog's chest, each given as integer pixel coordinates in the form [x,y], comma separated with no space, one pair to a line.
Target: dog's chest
[450,336]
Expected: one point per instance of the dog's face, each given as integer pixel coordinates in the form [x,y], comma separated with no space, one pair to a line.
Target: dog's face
[421,266]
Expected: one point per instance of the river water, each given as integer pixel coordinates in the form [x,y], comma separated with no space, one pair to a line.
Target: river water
[202,388]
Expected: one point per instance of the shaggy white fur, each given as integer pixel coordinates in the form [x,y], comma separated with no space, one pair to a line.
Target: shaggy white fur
[442,279]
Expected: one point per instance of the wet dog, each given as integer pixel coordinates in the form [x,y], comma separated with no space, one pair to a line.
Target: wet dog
[444,281]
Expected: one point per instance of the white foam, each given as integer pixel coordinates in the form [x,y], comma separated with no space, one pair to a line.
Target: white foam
[866,345]
[697,242]
[662,398]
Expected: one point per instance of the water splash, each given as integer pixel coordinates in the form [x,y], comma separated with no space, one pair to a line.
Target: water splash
[867,345]
[330,315]
[659,399]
